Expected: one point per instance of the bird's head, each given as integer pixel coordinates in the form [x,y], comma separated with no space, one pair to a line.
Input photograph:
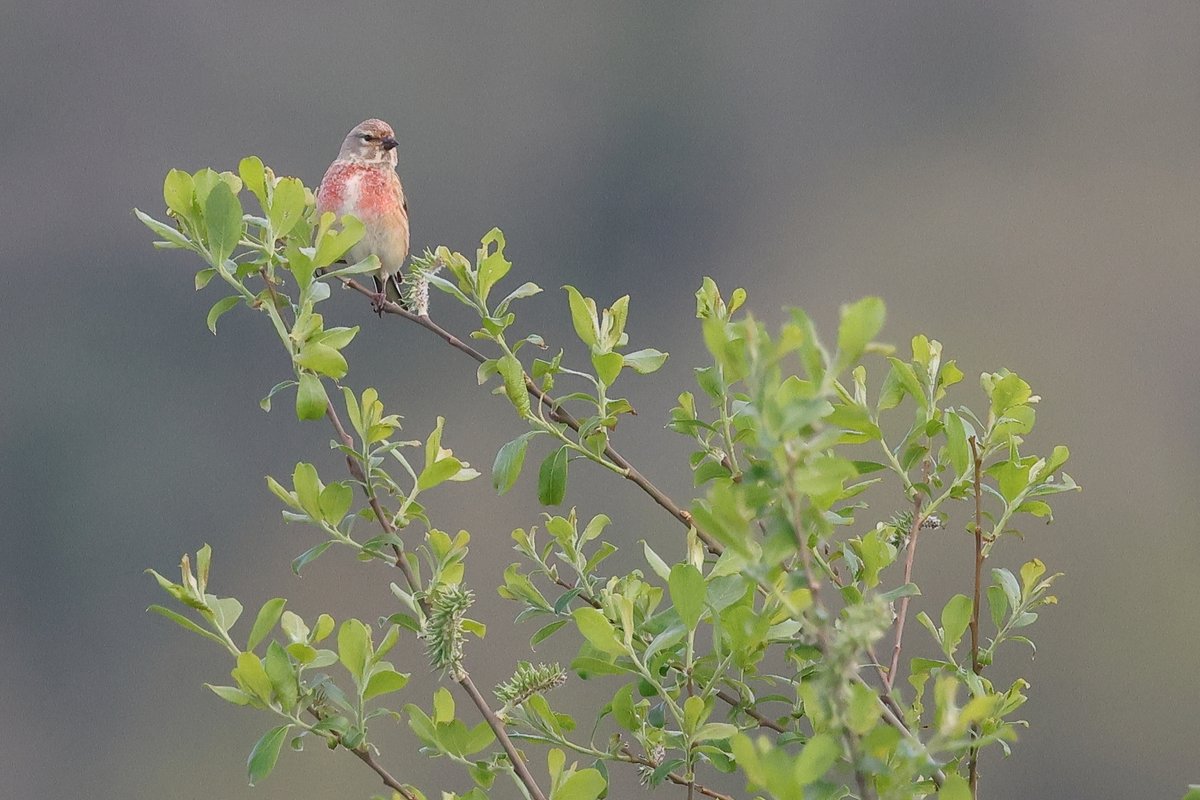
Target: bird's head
[372,140]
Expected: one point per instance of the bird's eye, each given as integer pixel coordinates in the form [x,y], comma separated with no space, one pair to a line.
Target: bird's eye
[366,137]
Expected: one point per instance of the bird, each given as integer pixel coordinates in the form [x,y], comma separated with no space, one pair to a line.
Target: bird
[362,181]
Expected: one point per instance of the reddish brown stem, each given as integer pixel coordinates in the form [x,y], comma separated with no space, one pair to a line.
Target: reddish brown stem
[369,759]
[889,680]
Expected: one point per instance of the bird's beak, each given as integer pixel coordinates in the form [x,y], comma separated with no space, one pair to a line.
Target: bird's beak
[389,143]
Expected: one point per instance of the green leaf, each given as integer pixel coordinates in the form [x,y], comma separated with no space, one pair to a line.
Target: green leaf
[552,478]
[715,730]
[179,192]
[252,676]
[231,694]
[439,472]
[265,753]
[184,622]
[493,266]
[583,316]
[292,624]
[595,527]
[509,460]
[821,752]
[203,277]
[171,235]
[956,443]
[223,215]
[997,605]
[354,647]
[1030,572]
[225,610]
[323,628]
[335,502]
[322,358]
[282,675]
[607,366]
[311,400]
[310,555]
[1006,391]
[645,361]
[384,681]
[254,176]
[586,784]
[955,787]
[956,616]
[545,632]
[860,323]
[220,307]
[901,379]
[334,245]
[443,706]
[687,593]
[287,206]
[268,615]
[513,375]
[1005,580]
[656,562]
[599,632]
[308,488]
[528,289]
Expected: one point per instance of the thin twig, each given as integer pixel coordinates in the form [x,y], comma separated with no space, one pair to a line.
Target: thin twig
[889,680]
[860,777]
[976,667]
[401,563]
[501,732]
[557,413]
[729,698]
[674,777]
[368,758]
[739,705]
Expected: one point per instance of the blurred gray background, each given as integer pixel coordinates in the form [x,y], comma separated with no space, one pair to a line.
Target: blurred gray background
[1020,180]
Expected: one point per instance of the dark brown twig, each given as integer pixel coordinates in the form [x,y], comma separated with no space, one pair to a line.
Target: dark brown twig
[368,758]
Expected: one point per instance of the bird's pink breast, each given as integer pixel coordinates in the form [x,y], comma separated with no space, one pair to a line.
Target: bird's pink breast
[362,190]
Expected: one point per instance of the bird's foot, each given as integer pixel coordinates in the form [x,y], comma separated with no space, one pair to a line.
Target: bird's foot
[378,301]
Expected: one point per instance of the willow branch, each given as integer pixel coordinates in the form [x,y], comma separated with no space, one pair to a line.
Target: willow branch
[401,563]
[889,680]
[367,758]
[557,413]
[732,700]
[674,777]
[892,713]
